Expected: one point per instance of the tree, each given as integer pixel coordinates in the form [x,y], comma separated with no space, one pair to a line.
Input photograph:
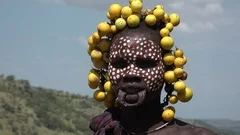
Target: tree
[10,78]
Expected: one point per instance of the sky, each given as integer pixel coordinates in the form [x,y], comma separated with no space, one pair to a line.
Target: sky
[45,42]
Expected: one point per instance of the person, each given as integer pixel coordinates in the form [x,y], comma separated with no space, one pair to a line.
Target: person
[139,68]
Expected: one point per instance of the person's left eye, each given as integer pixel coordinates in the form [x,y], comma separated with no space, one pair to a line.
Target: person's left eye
[146,63]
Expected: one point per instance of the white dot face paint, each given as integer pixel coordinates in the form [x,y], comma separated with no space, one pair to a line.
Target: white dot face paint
[131,50]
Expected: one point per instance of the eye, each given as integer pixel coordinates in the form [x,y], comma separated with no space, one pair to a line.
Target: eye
[119,63]
[146,63]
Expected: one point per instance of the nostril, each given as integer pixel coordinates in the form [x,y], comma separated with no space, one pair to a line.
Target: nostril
[132,78]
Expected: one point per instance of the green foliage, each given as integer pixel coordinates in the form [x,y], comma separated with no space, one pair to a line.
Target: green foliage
[28,110]
[10,78]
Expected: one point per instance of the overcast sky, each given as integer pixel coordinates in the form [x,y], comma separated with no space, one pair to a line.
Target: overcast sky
[44,41]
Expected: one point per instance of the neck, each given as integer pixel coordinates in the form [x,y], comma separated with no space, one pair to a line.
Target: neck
[140,119]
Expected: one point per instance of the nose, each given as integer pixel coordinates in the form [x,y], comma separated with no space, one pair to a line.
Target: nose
[132,79]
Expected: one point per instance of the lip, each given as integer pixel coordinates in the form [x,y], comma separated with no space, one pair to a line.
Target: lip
[132,88]
[122,98]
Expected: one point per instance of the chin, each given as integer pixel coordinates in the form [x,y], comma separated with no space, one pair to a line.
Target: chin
[131,100]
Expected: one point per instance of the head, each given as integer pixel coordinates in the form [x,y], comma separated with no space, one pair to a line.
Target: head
[136,68]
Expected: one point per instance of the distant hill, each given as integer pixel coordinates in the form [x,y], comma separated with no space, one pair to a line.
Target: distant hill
[225,124]
[222,127]
[29,110]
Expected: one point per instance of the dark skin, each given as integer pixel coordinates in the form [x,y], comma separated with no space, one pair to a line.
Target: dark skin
[138,94]
[134,119]
[147,115]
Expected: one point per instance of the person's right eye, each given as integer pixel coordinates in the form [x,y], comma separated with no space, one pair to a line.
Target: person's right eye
[119,63]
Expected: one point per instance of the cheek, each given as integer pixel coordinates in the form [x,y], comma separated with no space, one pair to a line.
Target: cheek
[153,77]
[115,75]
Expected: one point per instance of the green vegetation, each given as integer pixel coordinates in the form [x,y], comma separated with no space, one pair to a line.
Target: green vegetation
[29,110]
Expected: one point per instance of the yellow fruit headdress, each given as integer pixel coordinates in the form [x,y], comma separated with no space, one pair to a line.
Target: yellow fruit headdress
[130,16]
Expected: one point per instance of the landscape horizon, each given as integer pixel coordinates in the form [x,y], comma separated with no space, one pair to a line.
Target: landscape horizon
[35,110]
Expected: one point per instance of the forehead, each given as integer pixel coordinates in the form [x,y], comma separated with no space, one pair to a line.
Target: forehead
[133,47]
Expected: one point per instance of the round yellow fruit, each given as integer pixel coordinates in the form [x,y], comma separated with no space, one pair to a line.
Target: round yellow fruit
[126,11]
[167,43]
[108,104]
[108,86]
[99,64]
[174,19]
[158,13]
[150,20]
[89,49]
[92,85]
[173,99]
[179,62]
[96,54]
[93,71]
[91,42]
[168,114]
[159,7]
[106,57]
[130,1]
[178,72]
[178,52]
[99,95]
[120,24]
[110,17]
[93,78]
[168,59]
[96,37]
[133,21]
[164,32]
[169,26]
[115,10]
[113,28]
[103,28]
[185,96]
[138,14]
[136,6]
[104,45]
[170,77]
[179,86]
[171,108]
[165,18]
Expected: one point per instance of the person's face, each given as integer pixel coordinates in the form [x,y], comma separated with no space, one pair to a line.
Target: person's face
[136,70]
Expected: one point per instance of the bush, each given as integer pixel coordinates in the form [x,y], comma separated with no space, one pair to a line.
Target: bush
[10,78]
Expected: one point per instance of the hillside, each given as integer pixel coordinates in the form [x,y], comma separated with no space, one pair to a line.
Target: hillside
[29,110]
[219,126]
[226,124]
